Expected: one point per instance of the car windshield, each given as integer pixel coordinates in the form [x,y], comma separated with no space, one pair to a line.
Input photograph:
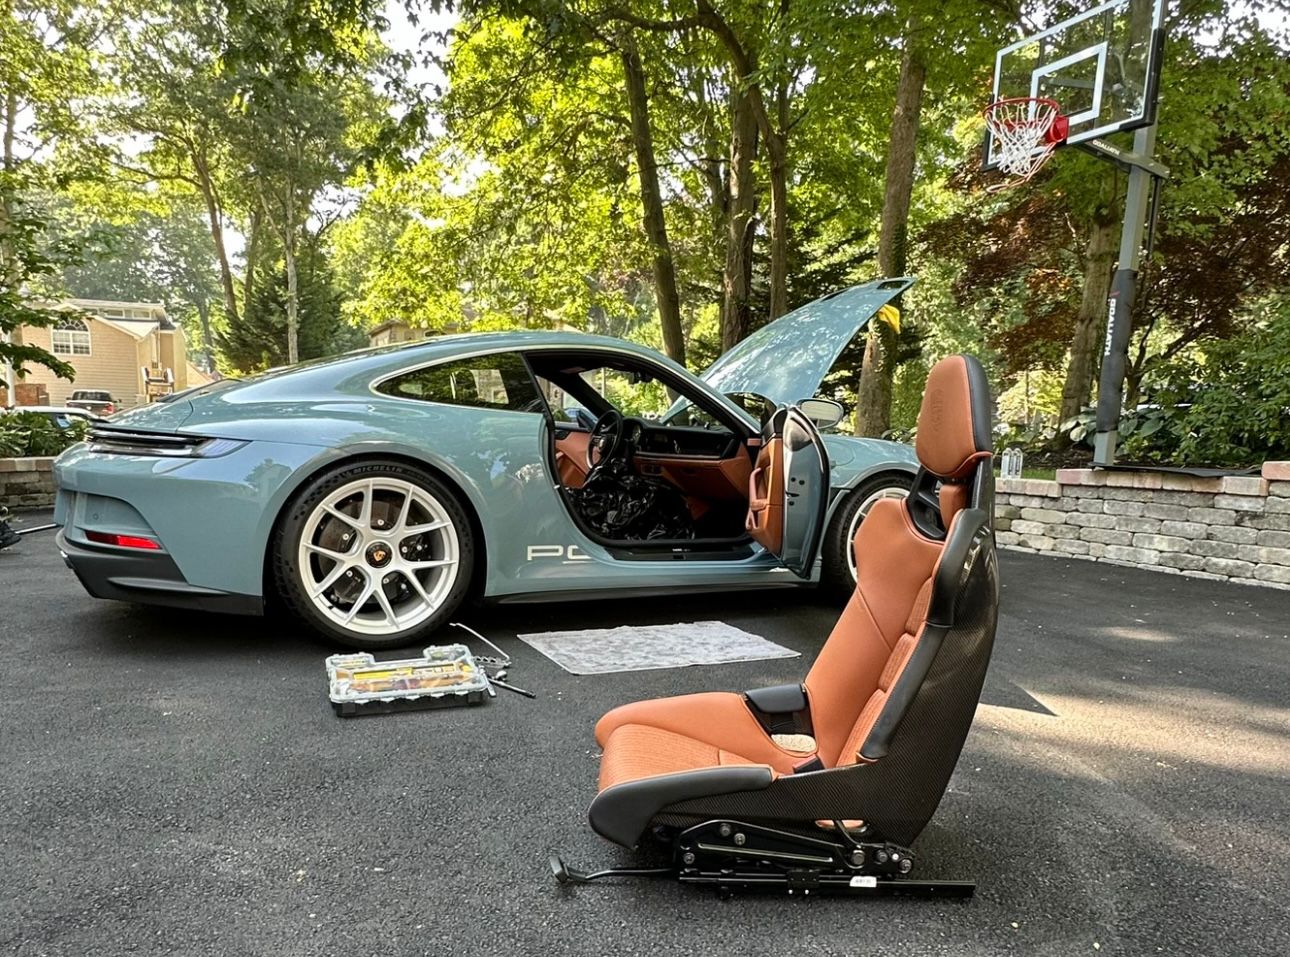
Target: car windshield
[684,412]
[578,393]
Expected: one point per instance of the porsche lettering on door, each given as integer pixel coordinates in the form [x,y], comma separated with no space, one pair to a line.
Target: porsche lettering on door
[568,553]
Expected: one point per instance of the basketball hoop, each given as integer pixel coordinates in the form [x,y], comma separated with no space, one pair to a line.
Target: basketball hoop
[1026,130]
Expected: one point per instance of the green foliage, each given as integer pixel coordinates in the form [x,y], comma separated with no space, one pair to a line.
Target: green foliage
[907,394]
[30,433]
[258,341]
[1017,258]
[1226,405]
[189,151]
[259,112]
[647,398]
[520,216]
[31,264]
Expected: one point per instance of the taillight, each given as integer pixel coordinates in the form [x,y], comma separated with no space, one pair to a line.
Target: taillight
[123,541]
[113,440]
[109,409]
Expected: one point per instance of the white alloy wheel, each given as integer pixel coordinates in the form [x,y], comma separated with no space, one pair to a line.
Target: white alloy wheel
[378,556]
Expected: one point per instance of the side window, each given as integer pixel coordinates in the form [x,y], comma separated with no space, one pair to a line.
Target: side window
[497,381]
[565,409]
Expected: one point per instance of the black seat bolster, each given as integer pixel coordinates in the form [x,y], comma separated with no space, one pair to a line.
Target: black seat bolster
[780,709]
[971,529]
[623,812]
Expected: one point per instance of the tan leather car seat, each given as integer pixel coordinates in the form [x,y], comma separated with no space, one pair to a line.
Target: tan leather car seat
[891,695]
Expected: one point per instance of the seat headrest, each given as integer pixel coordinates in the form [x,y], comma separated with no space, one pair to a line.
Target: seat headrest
[954,421]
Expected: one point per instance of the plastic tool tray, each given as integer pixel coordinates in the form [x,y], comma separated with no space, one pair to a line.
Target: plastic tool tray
[446,676]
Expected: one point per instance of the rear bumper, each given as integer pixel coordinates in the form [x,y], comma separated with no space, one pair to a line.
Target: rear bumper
[151,578]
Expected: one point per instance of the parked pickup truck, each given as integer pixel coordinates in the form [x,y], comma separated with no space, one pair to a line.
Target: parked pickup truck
[96,401]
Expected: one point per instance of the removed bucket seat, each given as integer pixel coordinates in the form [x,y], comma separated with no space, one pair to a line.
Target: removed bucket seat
[889,701]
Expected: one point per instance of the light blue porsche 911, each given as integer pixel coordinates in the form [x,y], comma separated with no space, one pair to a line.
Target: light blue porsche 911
[373,493]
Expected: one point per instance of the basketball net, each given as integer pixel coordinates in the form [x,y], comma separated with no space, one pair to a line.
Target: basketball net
[1026,130]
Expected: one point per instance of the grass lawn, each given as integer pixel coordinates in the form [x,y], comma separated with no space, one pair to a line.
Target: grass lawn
[1039,473]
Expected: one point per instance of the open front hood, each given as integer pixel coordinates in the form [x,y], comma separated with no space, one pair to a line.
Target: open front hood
[785,360]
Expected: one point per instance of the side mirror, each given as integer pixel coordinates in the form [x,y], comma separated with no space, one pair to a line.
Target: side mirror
[824,413]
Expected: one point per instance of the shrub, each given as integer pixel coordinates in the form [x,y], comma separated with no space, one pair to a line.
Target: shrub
[1228,406]
[29,433]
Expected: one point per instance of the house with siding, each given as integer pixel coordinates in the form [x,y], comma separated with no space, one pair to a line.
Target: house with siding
[394,331]
[129,349]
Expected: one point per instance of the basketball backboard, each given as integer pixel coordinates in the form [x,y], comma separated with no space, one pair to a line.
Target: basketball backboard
[1102,66]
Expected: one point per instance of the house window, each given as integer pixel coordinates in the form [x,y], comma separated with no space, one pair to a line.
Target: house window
[70,337]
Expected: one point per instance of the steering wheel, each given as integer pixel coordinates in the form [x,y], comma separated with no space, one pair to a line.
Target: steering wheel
[606,439]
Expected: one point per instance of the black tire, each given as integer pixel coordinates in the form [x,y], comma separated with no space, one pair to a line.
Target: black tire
[288,579]
[836,575]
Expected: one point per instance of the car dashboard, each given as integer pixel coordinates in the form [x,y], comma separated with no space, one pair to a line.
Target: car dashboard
[674,441]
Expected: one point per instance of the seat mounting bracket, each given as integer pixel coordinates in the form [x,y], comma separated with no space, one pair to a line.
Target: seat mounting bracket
[733,856]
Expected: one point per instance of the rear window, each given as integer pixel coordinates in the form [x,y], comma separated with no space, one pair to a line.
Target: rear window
[92,396]
[485,382]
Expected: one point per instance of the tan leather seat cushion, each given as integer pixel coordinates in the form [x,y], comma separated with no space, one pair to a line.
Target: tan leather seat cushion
[635,751]
[718,721]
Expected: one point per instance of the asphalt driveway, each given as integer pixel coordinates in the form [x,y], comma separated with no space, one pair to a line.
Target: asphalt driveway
[176,783]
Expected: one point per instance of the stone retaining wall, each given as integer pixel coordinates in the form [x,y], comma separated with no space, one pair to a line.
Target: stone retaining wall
[1235,528]
[27,483]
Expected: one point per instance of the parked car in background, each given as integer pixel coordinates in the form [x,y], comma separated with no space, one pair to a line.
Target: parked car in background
[373,492]
[61,415]
[94,400]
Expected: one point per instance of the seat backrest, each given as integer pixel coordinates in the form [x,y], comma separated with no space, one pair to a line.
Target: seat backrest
[912,564]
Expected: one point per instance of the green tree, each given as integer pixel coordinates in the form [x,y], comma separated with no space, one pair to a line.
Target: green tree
[259,108]
[170,118]
[45,73]
[158,247]
[259,340]
[1225,402]
[1035,263]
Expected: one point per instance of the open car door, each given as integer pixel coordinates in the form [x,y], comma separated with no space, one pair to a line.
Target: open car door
[788,490]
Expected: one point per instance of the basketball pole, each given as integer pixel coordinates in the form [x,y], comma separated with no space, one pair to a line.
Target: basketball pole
[1119,304]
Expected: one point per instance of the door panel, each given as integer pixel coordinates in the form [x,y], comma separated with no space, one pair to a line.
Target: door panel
[766,497]
[788,491]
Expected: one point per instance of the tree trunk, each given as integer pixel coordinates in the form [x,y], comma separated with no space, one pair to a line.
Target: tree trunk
[736,308]
[293,286]
[10,270]
[711,166]
[777,154]
[252,255]
[208,338]
[215,218]
[776,150]
[654,222]
[1099,258]
[873,398]
[1132,388]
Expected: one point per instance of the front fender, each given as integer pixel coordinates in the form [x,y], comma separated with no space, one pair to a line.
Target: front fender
[853,460]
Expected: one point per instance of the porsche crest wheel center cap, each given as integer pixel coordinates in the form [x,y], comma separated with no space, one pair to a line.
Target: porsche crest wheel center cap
[379,554]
